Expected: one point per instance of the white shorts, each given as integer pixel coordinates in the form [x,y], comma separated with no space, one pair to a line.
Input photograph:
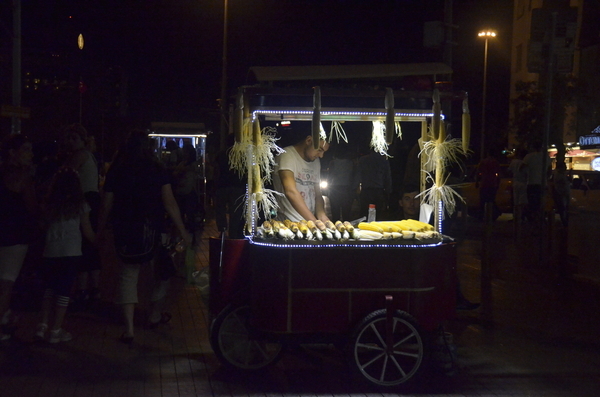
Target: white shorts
[11,261]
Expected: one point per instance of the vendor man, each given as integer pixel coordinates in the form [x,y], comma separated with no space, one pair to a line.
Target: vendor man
[297,175]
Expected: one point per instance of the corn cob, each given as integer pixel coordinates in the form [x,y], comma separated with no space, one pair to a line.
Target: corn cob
[276,225]
[285,233]
[320,225]
[340,226]
[304,230]
[408,234]
[268,229]
[369,235]
[287,223]
[296,230]
[335,234]
[314,230]
[342,230]
[351,230]
[370,226]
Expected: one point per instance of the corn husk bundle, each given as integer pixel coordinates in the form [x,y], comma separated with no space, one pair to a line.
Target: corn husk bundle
[338,131]
[466,126]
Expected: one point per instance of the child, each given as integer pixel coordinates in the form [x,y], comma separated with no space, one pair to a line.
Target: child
[66,215]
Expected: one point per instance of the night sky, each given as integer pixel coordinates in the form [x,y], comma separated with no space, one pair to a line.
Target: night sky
[172,50]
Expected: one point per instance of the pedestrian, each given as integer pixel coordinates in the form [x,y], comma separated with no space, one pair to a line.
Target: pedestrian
[375,181]
[519,184]
[488,179]
[536,176]
[137,192]
[66,217]
[77,153]
[230,193]
[185,188]
[18,218]
[341,183]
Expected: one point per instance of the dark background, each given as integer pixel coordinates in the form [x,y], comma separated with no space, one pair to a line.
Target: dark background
[162,60]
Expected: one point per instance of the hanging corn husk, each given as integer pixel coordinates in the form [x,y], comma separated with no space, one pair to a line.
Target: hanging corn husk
[398,129]
[316,117]
[322,133]
[338,130]
[238,153]
[437,115]
[390,115]
[378,142]
[442,193]
[466,125]
[439,155]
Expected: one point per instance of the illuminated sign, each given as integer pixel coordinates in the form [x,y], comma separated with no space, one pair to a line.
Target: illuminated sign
[588,140]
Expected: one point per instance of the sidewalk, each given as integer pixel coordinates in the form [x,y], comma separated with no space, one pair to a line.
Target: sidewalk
[542,342]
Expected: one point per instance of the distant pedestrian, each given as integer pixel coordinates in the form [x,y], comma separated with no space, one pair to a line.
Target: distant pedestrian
[519,184]
[375,180]
[488,178]
[18,223]
[65,215]
[185,187]
[536,176]
[77,153]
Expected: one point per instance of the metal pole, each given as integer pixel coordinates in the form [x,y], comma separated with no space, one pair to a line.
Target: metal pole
[16,61]
[485,56]
[223,102]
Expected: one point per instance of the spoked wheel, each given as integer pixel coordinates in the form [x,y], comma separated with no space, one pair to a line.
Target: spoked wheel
[235,343]
[386,355]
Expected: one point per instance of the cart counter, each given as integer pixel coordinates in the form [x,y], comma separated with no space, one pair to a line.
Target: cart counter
[328,286]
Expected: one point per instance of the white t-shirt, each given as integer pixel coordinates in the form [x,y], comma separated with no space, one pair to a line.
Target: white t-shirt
[307,175]
[63,237]
[535,173]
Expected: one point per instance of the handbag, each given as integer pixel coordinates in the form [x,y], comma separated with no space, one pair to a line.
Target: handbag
[135,241]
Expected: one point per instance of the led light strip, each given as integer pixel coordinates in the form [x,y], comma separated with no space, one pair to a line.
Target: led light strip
[338,115]
[266,244]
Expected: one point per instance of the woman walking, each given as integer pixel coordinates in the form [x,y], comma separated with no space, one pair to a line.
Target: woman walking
[137,191]
[66,215]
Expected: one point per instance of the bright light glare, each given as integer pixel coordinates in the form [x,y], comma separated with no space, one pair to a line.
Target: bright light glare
[487,33]
[323,184]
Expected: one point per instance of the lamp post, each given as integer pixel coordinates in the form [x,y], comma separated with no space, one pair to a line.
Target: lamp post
[486,35]
[223,101]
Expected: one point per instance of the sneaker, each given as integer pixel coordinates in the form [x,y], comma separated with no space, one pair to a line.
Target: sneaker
[40,331]
[59,335]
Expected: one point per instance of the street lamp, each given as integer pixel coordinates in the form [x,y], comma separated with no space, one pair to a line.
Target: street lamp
[486,35]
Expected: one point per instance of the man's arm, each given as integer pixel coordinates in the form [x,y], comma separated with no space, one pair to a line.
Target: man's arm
[295,198]
[320,205]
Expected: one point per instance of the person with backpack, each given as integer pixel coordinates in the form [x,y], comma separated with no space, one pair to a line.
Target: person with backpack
[137,191]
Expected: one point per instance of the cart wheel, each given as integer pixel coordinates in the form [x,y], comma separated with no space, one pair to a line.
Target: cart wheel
[368,349]
[235,343]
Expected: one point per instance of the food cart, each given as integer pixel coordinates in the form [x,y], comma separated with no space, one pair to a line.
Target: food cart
[381,300]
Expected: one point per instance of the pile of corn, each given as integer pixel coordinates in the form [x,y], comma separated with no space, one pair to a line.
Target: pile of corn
[405,229]
[343,231]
